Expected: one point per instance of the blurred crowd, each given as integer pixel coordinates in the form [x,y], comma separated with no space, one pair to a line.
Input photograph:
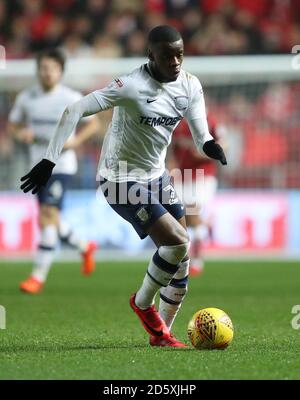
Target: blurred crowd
[116,28]
[262,120]
[263,125]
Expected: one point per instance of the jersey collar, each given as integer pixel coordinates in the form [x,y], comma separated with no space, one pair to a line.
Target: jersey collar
[148,70]
[54,90]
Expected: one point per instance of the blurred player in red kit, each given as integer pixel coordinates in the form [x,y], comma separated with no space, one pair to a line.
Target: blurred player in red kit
[185,157]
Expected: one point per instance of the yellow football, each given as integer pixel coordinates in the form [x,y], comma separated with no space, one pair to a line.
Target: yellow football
[210,328]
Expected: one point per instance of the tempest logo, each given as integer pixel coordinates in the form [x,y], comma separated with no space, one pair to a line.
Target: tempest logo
[157,121]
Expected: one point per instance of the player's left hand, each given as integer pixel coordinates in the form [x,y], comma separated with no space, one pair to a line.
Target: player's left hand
[38,176]
[215,151]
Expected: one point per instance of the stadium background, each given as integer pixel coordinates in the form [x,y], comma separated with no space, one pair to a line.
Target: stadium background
[242,52]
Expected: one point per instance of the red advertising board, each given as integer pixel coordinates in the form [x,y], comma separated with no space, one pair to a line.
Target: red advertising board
[18,223]
[242,221]
[249,221]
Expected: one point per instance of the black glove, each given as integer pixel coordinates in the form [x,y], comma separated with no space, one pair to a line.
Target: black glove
[214,150]
[38,176]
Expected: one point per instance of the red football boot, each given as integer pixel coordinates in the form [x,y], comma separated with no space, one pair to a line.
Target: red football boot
[171,341]
[151,320]
[31,286]
[195,270]
[88,262]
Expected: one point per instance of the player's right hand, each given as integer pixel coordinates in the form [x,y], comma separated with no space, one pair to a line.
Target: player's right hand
[38,176]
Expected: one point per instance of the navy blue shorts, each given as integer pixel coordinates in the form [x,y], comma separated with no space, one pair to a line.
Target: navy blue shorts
[143,204]
[53,193]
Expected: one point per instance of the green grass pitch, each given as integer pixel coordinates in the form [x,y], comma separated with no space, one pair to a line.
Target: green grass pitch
[83,328]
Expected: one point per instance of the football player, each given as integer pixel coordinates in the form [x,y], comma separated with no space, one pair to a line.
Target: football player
[33,118]
[148,104]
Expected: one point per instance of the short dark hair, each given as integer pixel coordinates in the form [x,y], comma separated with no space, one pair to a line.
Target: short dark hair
[163,33]
[54,54]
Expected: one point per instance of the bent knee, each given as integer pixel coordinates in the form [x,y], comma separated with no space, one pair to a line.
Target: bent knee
[174,254]
[181,250]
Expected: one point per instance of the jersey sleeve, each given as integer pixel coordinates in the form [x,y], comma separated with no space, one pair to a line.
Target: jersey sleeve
[117,93]
[196,115]
[88,105]
[76,97]
[17,113]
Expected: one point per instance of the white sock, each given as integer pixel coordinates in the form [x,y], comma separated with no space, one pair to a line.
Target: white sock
[197,235]
[199,232]
[161,269]
[68,236]
[171,297]
[45,253]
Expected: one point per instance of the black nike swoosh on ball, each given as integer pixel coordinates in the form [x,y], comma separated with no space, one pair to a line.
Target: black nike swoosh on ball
[151,101]
[155,333]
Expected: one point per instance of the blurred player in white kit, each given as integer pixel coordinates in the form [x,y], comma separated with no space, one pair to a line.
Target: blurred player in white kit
[32,120]
[197,192]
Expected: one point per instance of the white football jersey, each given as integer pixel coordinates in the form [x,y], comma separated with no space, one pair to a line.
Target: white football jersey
[146,112]
[41,111]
